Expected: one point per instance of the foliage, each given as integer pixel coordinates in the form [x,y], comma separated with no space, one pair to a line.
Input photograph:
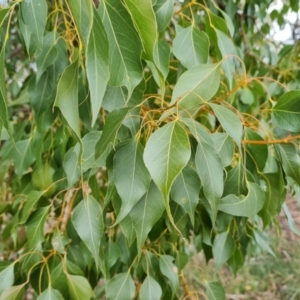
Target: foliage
[134,129]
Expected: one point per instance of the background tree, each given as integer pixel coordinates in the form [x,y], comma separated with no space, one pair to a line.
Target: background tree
[133,130]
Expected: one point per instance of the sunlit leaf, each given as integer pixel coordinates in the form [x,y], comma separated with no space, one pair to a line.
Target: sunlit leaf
[79,287]
[7,278]
[50,294]
[169,270]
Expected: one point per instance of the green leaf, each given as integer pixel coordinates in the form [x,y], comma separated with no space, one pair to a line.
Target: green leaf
[290,220]
[215,291]
[120,287]
[131,177]
[3,106]
[112,124]
[223,248]
[286,112]
[191,47]
[34,14]
[229,121]
[227,48]
[50,294]
[290,160]
[41,94]
[79,287]
[87,220]
[71,166]
[167,152]
[150,289]
[224,147]
[124,61]
[22,156]
[7,278]
[82,11]
[146,213]
[3,14]
[97,58]
[244,206]
[185,191]
[13,293]
[196,85]
[273,196]
[144,19]
[47,55]
[67,97]
[169,270]
[164,10]
[210,170]
[235,181]
[35,227]
[32,199]
[258,153]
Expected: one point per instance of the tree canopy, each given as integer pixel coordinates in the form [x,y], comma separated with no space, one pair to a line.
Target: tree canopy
[135,131]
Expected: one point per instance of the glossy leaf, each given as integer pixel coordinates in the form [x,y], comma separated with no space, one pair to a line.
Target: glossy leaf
[286,112]
[79,287]
[97,64]
[167,152]
[146,213]
[67,97]
[7,278]
[150,289]
[50,294]
[229,121]
[120,287]
[132,178]
[215,291]
[109,134]
[169,270]
[247,206]
[223,248]
[185,191]
[87,220]
[191,47]
[35,17]
[124,61]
